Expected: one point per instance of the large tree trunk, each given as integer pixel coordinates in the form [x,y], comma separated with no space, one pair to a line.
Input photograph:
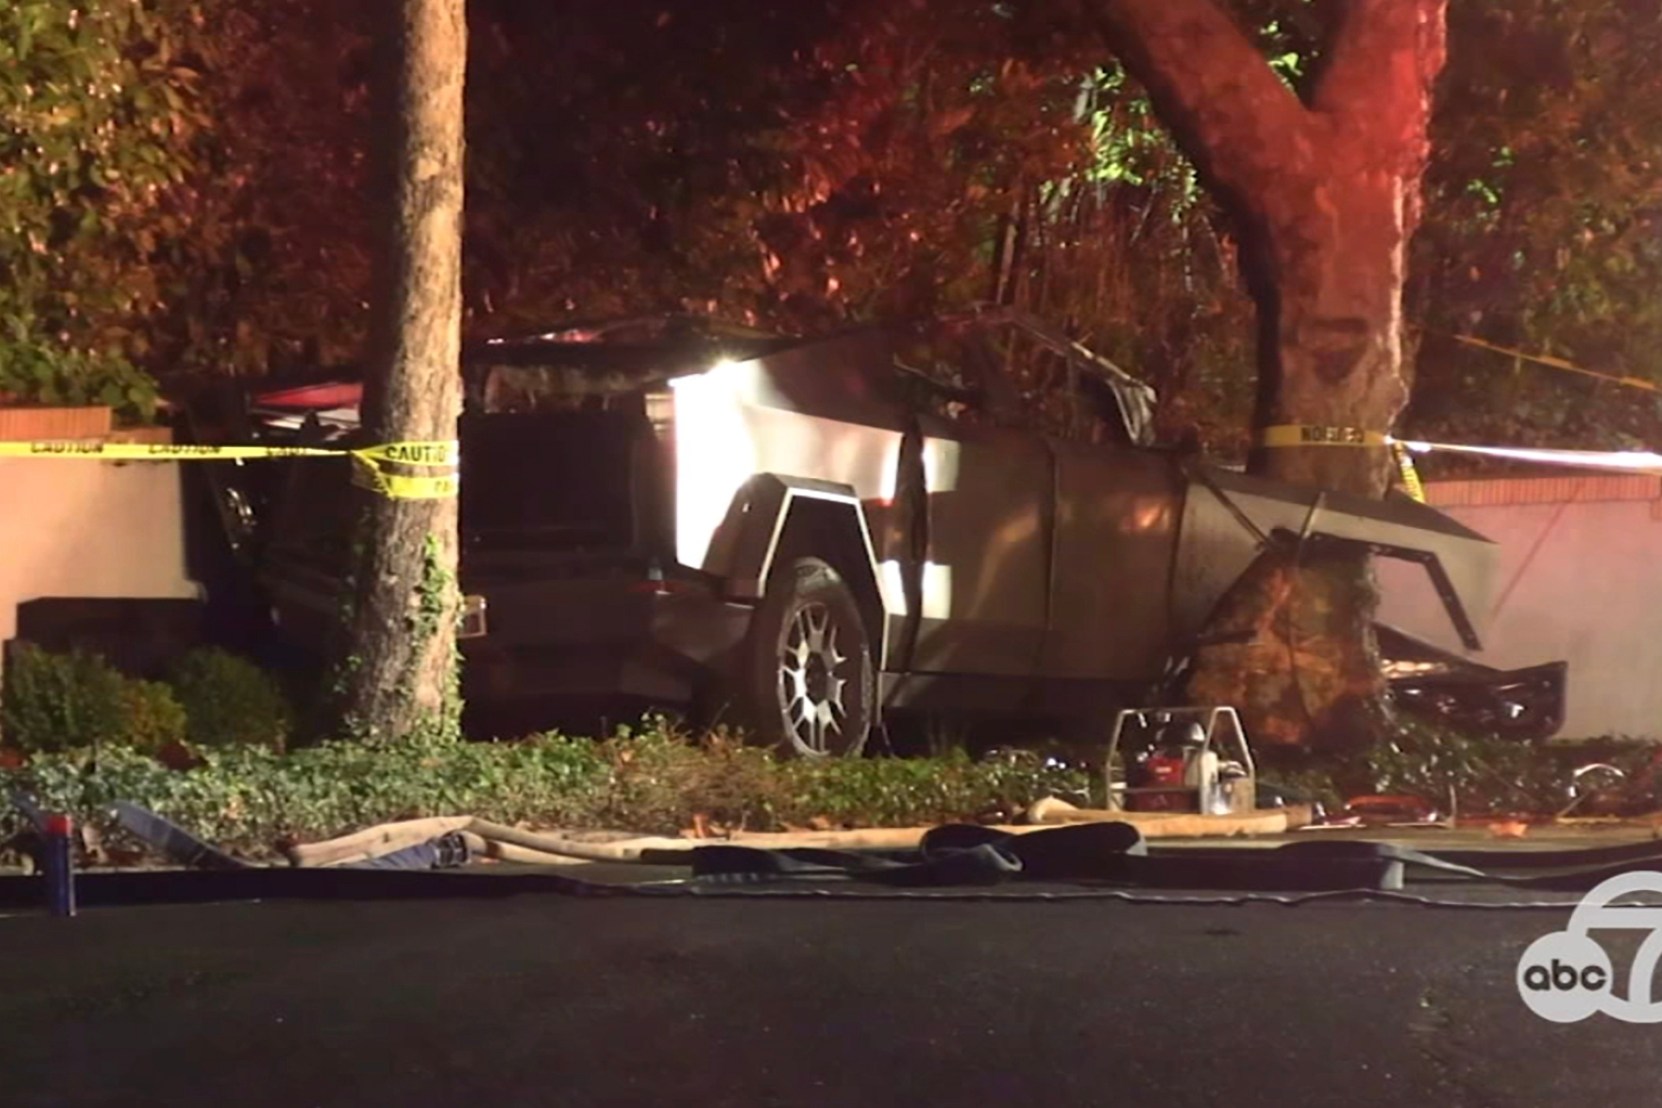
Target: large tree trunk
[1331,274]
[1326,198]
[398,678]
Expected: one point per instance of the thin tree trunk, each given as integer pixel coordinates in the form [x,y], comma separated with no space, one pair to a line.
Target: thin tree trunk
[398,678]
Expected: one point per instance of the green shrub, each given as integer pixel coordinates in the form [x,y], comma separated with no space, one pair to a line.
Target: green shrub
[53,702]
[247,798]
[151,716]
[652,779]
[658,778]
[60,701]
[1481,773]
[229,701]
[916,792]
[45,372]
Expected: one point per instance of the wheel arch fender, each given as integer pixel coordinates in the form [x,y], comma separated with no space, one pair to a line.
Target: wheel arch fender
[774,518]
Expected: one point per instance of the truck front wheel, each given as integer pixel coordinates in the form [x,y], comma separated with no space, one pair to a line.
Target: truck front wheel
[809,681]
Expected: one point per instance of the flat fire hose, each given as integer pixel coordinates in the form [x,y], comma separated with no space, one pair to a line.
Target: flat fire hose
[1096,853]
[1116,854]
[1103,861]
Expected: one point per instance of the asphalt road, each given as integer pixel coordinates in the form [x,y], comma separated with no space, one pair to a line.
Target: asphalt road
[537,1000]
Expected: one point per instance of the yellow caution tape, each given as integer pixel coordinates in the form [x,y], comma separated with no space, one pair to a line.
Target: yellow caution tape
[442,453]
[446,454]
[1558,363]
[1614,461]
[1411,483]
[395,486]
[374,460]
[153,452]
[1297,434]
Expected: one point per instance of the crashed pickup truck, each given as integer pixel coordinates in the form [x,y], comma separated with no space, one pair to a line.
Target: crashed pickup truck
[804,534]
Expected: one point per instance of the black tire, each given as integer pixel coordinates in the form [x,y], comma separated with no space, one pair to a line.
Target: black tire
[806,678]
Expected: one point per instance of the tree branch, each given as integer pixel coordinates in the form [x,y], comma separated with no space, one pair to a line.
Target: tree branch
[1235,119]
[1382,65]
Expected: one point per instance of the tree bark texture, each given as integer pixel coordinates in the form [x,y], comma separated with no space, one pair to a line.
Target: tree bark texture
[1325,193]
[399,676]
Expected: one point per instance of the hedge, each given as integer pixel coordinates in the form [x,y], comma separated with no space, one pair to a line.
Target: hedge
[247,798]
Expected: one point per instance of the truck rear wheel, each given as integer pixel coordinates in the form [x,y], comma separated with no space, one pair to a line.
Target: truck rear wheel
[808,678]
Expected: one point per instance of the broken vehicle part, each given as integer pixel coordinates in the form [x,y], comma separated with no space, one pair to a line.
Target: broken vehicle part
[1592,782]
[1524,704]
[1381,810]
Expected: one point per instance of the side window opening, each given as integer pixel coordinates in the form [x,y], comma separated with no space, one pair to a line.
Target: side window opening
[936,375]
[959,376]
[1011,373]
[1071,393]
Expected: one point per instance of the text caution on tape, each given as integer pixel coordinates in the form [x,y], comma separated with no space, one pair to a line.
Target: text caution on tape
[375,468]
[1299,434]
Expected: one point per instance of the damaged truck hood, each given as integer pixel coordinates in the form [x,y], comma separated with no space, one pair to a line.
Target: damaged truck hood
[1228,517]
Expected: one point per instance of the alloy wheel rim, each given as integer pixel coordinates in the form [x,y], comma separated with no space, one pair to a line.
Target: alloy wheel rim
[811,681]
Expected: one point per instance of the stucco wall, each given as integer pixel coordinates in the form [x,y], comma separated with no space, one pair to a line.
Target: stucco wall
[89,529]
[1580,581]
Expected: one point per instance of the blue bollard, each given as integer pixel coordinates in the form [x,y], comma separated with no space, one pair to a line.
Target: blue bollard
[60,864]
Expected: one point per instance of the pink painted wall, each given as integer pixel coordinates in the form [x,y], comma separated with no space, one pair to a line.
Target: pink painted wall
[1580,581]
[89,529]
